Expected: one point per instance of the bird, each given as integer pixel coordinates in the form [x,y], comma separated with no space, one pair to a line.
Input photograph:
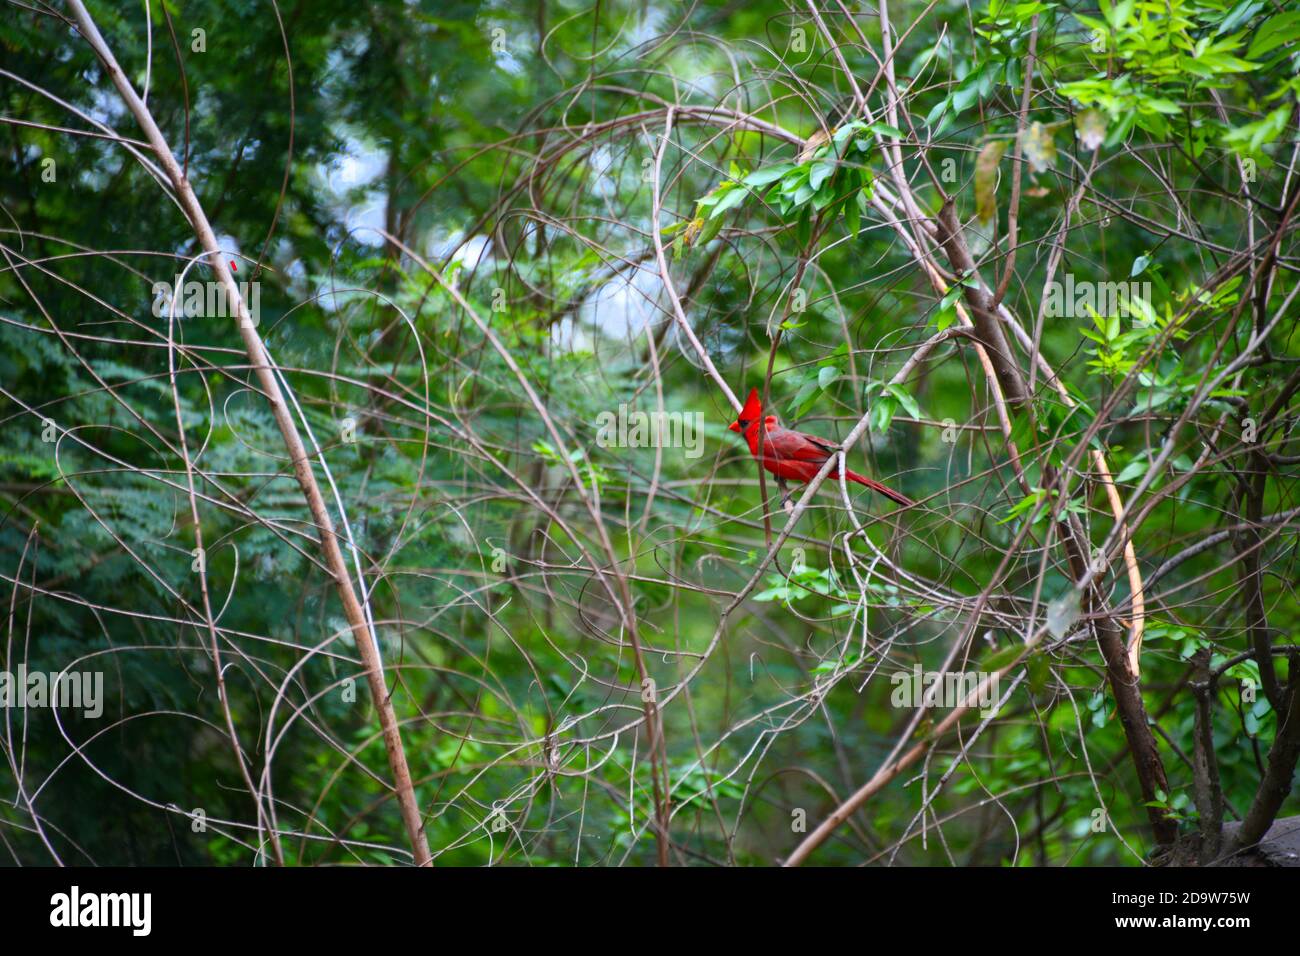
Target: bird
[816,141]
[794,455]
[822,135]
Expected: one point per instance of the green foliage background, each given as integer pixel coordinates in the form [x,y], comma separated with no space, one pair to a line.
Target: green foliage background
[531,131]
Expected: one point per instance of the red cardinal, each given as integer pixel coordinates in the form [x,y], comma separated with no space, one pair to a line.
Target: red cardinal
[792,454]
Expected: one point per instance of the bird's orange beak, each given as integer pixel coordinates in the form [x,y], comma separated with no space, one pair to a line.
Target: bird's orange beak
[734,426]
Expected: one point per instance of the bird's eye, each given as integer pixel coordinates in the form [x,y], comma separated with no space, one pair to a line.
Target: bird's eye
[743,422]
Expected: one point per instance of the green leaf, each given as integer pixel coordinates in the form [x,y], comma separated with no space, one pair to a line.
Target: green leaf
[805,396]
[946,314]
[884,129]
[1138,466]
[882,413]
[951,296]
[1239,15]
[1273,33]
[730,199]
[846,131]
[819,173]
[853,215]
[803,229]
[1024,505]
[1119,14]
[769,174]
[712,226]
[905,399]
[1001,659]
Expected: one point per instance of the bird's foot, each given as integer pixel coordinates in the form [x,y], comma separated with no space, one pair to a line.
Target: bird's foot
[786,503]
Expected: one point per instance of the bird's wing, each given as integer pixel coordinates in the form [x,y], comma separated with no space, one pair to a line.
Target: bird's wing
[828,446]
[800,447]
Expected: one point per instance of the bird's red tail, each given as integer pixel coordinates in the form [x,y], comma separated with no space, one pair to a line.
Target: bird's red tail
[874,485]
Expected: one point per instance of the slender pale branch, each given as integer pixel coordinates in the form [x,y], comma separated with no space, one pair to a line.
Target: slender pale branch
[270,386]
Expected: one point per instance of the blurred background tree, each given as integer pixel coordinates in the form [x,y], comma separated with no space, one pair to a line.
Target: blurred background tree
[385,169]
